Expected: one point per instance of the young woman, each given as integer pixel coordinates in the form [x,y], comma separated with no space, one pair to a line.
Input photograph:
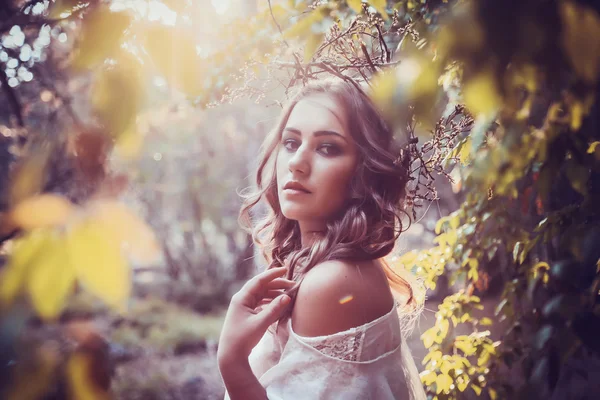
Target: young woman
[322,322]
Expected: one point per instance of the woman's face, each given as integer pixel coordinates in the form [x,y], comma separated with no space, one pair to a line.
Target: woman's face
[315,161]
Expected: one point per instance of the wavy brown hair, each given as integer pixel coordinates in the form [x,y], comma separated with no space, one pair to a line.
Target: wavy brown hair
[368,227]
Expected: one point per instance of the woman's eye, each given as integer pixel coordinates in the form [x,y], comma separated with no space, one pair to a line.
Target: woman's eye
[290,144]
[330,149]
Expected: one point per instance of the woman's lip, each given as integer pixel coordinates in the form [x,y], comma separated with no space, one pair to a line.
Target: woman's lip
[295,191]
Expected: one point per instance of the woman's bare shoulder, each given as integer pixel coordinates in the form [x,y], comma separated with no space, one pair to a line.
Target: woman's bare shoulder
[338,295]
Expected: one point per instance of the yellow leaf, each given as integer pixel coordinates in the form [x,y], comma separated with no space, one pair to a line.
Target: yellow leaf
[312,44]
[127,230]
[594,149]
[380,5]
[577,113]
[28,177]
[481,95]
[26,251]
[355,5]
[473,263]
[461,383]
[80,374]
[173,51]
[428,337]
[444,326]
[581,39]
[99,263]
[384,87]
[442,383]
[116,97]
[419,76]
[101,36]
[428,377]
[454,221]
[129,143]
[51,278]
[435,355]
[493,394]
[439,224]
[41,211]
[305,26]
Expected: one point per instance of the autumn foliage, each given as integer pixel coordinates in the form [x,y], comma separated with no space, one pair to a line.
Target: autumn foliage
[499,98]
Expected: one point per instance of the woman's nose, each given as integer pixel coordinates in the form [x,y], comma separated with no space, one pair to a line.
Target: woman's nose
[299,162]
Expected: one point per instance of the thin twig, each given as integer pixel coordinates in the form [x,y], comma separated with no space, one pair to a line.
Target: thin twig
[277,24]
[363,47]
[388,54]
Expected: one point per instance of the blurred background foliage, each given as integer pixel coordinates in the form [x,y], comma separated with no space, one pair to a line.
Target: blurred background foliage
[127,127]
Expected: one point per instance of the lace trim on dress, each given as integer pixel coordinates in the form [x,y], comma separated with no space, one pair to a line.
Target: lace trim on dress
[346,345]
[348,348]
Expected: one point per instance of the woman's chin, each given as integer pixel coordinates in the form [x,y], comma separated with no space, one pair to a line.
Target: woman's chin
[292,213]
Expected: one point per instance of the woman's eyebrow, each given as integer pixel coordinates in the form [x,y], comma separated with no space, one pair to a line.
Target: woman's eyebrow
[316,133]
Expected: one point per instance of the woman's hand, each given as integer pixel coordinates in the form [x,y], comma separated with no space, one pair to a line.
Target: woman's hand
[246,322]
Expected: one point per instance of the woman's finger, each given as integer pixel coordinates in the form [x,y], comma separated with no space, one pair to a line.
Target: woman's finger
[256,287]
[271,294]
[271,312]
[260,281]
[280,283]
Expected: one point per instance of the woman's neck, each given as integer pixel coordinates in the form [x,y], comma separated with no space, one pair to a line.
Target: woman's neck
[311,231]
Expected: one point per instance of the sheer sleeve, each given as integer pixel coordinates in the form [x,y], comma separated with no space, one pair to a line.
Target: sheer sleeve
[367,362]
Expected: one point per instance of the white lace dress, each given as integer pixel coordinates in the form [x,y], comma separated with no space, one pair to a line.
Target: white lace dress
[371,361]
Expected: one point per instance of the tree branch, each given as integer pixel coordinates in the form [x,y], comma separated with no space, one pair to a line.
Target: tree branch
[277,24]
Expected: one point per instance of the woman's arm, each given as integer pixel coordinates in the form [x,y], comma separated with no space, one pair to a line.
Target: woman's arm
[240,382]
[243,328]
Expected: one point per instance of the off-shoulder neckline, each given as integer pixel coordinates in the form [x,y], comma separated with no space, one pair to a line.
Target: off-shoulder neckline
[348,331]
